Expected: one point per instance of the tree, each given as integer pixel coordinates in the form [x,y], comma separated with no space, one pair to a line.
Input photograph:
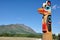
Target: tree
[54,36]
[58,36]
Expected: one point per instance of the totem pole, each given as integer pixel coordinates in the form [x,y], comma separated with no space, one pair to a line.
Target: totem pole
[46,20]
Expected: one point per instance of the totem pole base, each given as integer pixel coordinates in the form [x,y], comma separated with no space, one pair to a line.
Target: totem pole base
[47,36]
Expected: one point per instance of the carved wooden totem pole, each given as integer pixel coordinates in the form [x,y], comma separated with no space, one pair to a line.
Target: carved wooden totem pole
[46,20]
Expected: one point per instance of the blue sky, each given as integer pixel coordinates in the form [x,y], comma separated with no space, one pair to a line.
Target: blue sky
[25,12]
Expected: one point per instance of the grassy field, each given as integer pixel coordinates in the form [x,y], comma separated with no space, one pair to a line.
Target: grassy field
[18,38]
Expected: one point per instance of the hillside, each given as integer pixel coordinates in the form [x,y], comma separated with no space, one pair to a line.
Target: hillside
[16,29]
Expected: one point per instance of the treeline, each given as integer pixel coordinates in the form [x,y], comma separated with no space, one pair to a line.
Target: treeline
[55,37]
[21,35]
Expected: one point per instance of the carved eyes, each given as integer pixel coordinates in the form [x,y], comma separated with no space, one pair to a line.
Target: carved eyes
[47,8]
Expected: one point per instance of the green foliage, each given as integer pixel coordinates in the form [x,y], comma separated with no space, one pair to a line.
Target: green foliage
[54,36]
[58,36]
[21,35]
[6,35]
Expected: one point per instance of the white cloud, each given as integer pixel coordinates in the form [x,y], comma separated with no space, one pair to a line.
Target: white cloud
[54,7]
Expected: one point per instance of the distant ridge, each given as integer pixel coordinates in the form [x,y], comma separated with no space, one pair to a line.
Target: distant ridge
[16,29]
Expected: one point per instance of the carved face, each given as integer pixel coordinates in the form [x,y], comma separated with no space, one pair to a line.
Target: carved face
[46,9]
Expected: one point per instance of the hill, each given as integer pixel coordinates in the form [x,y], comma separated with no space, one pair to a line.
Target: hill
[16,29]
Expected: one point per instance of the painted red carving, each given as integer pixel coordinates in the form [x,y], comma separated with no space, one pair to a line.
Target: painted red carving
[44,27]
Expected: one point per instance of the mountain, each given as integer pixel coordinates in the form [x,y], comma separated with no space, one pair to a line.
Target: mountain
[16,29]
